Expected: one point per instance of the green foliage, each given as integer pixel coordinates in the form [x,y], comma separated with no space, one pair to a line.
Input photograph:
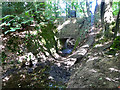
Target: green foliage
[15,8]
[46,30]
[7,16]
[115,46]
[3,57]
[12,30]
[116,43]
[115,7]
[98,36]
[25,14]
[15,23]
[77,43]
[111,52]
[44,40]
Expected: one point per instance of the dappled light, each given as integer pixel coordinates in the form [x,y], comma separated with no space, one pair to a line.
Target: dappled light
[98,45]
[114,70]
[6,79]
[92,70]
[65,23]
[110,79]
[82,51]
[60,44]
[92,58]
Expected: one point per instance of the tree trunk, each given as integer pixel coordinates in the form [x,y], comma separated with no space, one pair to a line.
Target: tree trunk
[106,17]
[87,6]
[102,13]
[117,24]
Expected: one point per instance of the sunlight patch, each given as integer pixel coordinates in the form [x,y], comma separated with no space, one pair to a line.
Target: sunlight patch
[53,50]
[82,51]
[65,23]
[29,56]
[74,21]
[1,47]
[98,45]
[113,69]
[92,70]
[47,53]
[23,76]
[56,55]
[34,32]
[92,58]
[110,79]
[6,78]
[51,78]
[85,45]
[71,62]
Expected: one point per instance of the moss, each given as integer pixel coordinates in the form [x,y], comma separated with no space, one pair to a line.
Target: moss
[111,52]
[116,43]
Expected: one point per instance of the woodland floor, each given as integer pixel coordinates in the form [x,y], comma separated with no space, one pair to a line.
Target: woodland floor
[96,69]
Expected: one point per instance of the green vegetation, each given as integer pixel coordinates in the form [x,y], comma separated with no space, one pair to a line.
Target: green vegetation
[30,27]
[22,20]
[115,8]
[116,43]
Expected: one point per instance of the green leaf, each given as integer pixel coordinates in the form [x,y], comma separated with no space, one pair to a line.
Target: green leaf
[27,13]
[2,24]
[7,16]
[100,78]
[1,19]
[24,22]
[81,10]
[12,30]
[8,24]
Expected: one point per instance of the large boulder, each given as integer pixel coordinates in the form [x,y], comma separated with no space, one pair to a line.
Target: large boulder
[69,28]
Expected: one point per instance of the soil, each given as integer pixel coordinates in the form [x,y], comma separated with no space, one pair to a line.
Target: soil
[96,70]
[87,67]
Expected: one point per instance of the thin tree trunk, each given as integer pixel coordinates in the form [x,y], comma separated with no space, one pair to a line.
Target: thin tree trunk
[83,9]
[117,24]
[102,11]
[87,6]
[108,18]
